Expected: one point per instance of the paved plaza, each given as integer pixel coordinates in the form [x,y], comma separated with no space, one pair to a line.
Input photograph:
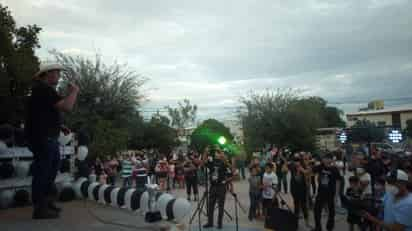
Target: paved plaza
[80,215]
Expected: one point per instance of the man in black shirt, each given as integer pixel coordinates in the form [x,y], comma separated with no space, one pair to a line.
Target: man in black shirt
[190,169]
[219,175]
[327,177]
[42,129]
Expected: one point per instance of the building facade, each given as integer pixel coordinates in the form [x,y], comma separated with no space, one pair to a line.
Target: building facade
[326,139]
[395,116]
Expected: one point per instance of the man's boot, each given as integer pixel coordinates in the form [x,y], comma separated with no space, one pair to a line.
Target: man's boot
[42,212]
[206,226]
[51,204]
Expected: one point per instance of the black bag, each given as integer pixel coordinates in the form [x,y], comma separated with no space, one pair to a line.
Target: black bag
[281,219]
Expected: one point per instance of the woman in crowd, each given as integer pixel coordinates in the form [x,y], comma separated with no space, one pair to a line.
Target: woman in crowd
[162,169]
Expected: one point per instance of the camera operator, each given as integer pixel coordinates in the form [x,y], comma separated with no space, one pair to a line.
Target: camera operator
[220,175]
[328,175]
[397,204]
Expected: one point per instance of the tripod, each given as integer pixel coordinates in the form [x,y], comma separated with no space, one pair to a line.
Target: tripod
[236,212]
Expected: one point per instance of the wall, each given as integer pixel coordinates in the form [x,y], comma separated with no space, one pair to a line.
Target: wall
[387,118]
[327,142]
[405,117]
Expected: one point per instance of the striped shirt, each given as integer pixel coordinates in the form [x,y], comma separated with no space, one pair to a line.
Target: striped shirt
[127,168]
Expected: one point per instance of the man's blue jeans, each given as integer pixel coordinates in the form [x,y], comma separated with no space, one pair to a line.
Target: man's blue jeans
[46,163]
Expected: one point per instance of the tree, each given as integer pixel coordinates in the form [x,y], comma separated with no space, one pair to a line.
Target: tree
[208,133]
[283,118]
[108,139]
[366,131]
[184,114]
[18,64]
[333,117]
[109,98]
[159,135]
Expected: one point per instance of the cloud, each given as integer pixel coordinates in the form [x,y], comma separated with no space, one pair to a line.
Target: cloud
[215,51]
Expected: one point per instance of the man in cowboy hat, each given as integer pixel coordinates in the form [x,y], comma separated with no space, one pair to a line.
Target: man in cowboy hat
[42,129]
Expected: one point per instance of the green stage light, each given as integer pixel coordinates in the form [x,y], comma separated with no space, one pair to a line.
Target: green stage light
[222,140]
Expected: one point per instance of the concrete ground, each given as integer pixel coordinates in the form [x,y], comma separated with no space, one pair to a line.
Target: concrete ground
[78,215]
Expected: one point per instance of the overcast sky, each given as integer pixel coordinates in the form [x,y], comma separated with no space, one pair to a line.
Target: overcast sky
[212,52]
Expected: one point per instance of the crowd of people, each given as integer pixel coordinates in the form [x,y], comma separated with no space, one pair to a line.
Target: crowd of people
[362,185]
[339,182]
[136,169]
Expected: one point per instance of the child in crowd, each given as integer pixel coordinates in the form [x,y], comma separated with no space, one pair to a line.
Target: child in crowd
[254,191]
[269,181]
[353,193]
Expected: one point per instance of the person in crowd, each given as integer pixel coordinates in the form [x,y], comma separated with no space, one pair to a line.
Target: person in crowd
[171,175]
[98,167]
[190,170]
[152,162]
[298,187]
[180,172]
[126,171]
[140,175]
[376,168]
[42,129]
[133,158]
[162,169]
[281,171]
[240,165]
[397,204]
[269,182]
[365,181]
[354,193]
[219,177]
[102,177]
[110,167]
[328,175]
[255,193]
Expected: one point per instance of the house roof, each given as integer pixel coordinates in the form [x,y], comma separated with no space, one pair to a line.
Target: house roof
[403,108]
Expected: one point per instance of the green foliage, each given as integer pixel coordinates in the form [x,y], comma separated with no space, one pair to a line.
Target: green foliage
[158,134]
[108,101]
[366,131]
[409,128]
[108,139]
[283,118]
[333,117]
[184,114]
[18,63]
[208,133]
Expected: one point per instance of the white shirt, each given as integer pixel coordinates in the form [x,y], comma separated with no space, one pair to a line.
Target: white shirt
[269,180]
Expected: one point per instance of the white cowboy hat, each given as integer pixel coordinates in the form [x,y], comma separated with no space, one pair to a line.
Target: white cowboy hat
[45,67]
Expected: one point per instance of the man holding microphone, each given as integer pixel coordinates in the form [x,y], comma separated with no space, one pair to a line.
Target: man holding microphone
[42,129]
